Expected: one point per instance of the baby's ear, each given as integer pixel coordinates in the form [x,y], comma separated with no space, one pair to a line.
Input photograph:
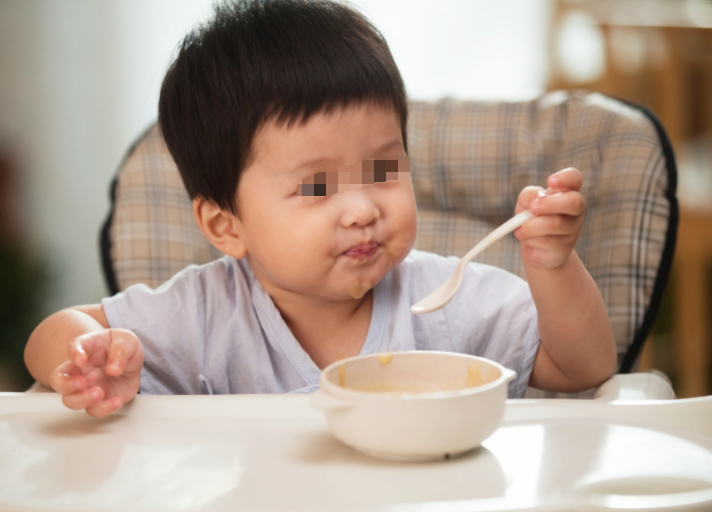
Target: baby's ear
[220,227]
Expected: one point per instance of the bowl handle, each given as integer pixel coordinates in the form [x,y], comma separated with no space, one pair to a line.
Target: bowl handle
[509,374]
[326,402]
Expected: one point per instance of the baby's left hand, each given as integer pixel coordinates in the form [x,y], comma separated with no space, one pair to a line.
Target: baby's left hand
[548,239]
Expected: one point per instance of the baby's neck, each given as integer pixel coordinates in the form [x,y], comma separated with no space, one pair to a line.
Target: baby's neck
[328,330]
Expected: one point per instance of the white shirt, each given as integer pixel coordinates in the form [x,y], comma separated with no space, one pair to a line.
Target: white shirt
[214,329]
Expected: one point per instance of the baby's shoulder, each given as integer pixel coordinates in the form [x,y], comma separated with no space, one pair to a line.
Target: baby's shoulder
[198,274]
[218,278]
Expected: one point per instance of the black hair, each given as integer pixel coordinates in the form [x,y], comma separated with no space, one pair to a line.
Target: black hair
[261,60]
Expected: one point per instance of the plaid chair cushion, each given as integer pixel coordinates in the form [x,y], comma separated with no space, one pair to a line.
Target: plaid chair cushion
[152,233]
[469,161]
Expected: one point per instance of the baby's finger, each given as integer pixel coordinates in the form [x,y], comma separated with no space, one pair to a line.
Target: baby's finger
[548,225]
[67,379]
[105,407]
[87,346]
[526,196]
[124,346]
[84,399]
[551,242]
[566,179]
[563,203]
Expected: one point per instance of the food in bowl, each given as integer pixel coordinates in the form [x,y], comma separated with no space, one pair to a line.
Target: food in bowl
[419,405]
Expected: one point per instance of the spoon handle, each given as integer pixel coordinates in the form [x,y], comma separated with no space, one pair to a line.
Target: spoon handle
[498,233]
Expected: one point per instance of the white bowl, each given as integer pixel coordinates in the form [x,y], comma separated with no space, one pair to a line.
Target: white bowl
[413,406]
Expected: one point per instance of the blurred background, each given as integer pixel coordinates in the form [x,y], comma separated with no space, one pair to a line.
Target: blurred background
[79,81]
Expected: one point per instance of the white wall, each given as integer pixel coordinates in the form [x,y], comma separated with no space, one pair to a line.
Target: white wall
[79,80]
[465,48]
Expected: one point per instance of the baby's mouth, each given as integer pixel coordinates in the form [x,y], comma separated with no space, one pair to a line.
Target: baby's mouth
[362,252]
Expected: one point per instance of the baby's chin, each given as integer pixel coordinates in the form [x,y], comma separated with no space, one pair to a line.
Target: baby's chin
[343,292]
[358,289]
[361,277]
[352,278]
[355,287]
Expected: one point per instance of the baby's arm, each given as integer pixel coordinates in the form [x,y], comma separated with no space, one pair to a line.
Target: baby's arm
[93,366]
[577,350]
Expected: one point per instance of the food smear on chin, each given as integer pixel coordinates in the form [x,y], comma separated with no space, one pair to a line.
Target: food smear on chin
[358,290]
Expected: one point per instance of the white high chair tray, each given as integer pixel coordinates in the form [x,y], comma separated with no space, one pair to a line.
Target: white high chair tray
[274,452]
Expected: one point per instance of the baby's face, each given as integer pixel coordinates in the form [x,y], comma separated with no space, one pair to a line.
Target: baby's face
[332,247]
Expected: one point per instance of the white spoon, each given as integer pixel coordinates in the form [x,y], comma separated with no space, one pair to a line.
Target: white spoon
[449,288]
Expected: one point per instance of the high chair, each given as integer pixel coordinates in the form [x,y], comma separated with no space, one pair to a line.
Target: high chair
[469,161]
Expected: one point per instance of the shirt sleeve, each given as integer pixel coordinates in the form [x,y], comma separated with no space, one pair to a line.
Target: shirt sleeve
[494,316]
[169,322]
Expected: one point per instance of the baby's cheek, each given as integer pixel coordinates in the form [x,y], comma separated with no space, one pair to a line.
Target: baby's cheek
[402,241]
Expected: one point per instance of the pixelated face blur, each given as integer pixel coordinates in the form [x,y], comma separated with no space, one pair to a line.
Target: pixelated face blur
[335,245]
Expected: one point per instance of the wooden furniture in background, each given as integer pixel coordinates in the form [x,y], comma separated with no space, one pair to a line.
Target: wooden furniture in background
[693,261]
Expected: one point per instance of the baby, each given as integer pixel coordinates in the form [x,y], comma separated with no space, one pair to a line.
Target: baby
[287,121]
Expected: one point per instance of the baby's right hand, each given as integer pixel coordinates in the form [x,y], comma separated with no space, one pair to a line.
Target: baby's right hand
[103,371]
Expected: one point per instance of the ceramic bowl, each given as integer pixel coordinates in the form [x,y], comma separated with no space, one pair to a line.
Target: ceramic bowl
[413,406]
